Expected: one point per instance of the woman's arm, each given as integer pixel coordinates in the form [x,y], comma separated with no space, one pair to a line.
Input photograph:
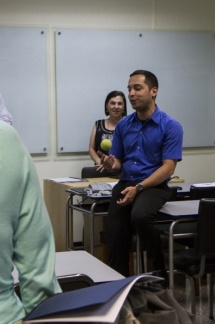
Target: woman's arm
[92,152]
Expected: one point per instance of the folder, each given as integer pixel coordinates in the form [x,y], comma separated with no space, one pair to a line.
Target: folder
[100,303]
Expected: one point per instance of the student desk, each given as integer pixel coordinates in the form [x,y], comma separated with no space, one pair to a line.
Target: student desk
[183,191]
[99,207]
[73,262]
[56,199]
[176,212]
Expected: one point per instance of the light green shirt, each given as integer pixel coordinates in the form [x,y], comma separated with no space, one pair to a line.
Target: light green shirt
[26,237]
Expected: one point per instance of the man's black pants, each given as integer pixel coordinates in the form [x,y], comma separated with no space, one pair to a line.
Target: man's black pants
[138,217]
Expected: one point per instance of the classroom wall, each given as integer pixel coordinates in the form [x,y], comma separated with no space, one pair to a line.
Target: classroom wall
[197,164]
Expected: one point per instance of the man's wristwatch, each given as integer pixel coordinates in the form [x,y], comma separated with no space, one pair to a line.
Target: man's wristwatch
[139,187]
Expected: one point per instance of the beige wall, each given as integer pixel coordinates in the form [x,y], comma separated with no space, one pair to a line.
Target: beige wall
[197,164]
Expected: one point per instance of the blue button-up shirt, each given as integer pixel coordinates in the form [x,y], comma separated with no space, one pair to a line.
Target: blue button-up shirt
[142,146]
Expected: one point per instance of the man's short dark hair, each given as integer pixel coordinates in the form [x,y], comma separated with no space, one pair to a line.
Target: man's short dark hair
[150,79]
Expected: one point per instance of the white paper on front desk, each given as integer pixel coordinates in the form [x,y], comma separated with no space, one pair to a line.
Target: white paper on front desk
[61,180]
[202,185]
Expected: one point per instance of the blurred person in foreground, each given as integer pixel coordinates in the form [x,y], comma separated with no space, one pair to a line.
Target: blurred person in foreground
[4,113]
[26,236]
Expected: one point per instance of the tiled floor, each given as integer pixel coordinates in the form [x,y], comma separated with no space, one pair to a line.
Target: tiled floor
[182,295]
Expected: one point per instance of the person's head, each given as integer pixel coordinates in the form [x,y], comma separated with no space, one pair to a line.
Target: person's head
[142,88]
[115,102]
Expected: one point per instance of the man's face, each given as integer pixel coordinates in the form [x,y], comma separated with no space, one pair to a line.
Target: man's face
[139,94]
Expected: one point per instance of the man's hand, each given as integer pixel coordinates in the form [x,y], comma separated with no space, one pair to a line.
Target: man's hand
[129,194]
[107,161]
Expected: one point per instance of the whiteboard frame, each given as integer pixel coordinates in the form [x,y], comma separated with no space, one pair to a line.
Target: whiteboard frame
[24,83]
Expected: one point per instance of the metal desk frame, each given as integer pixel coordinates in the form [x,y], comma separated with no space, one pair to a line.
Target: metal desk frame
[88,209]
[174,217]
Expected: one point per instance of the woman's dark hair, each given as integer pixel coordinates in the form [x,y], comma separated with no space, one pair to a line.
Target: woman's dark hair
[113,94]
[150,79]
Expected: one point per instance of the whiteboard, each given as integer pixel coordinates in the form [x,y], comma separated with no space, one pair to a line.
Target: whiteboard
[91,63]
[23,83]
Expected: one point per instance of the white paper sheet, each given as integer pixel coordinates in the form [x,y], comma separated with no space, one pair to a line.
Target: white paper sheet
[203,185]
[70,179]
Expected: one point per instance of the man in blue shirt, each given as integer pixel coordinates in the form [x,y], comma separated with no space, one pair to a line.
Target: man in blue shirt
[146,147]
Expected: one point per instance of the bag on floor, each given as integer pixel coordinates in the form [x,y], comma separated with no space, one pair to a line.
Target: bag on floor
[148,305]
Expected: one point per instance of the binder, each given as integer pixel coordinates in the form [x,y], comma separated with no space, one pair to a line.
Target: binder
[100,303]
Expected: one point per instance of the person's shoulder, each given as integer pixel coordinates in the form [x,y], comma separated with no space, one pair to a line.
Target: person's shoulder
[100,122]
[168,118]
[127,119]
[8,134]
[7,130]
[168,123]
[5,126]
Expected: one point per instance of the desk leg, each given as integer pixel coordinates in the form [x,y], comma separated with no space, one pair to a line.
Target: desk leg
[171,248]
[171,262]
[91,234]
[70,244]
[92,212]
[68,221]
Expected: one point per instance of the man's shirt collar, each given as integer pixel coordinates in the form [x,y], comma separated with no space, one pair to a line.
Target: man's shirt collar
[155,117]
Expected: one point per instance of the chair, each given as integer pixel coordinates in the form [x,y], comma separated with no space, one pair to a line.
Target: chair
[201,192]
[162,224]
[91,172]
[67,283]
[196,193]
[74,282]
[200,260]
